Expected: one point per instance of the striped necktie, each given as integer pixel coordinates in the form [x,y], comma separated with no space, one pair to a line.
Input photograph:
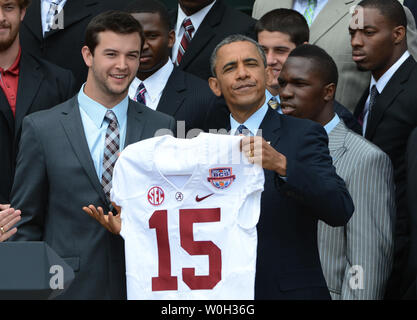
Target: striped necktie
[52,12]
[273,103]
[368,108]
[140,94]
[111,150]
[309,12]
[186,39]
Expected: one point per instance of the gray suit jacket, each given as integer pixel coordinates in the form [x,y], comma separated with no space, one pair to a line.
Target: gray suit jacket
[330,31]
[367,239]
[55,178]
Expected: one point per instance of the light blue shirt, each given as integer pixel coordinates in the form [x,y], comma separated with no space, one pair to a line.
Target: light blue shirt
[95,126]
[253,122]
[269,95]
[332,124]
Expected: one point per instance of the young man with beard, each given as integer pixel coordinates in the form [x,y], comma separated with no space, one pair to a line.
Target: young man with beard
[387,107]
[68,153]
[363,249]
[27,84]
[159,84]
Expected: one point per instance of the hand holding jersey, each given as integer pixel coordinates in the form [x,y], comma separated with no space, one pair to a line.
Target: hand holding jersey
[259,151]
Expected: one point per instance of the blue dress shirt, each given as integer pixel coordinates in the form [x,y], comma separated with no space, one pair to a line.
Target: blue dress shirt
[95,126]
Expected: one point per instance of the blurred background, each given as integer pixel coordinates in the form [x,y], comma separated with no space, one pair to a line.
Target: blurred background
[242,5]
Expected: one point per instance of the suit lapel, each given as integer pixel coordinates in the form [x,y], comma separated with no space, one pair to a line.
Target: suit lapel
[172,97]
[135,123]
[271,126]
[393,88]
[30,79]
[33,19]
[204,33]
[333,11]
[7,112]
[74,11]
[337,141]
[72,123]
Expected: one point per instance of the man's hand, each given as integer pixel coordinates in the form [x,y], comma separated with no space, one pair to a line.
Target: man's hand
[257,150]
[110,222]
[8,217]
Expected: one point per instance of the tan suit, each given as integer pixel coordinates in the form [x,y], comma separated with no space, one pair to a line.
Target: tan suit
[330,31]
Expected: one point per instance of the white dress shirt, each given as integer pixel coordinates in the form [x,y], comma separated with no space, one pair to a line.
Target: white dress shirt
[45,5]
[154,85]
[301,6]
[381,83]
[196,19]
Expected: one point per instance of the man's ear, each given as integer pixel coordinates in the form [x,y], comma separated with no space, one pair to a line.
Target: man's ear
[399,34]
[215,86]
[171,39]
[329,92]
[269,76]
[87,56]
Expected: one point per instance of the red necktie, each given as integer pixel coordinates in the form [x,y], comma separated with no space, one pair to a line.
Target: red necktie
[186,39]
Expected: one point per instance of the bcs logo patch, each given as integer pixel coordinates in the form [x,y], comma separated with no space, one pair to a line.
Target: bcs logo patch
[221,178]
[156,196]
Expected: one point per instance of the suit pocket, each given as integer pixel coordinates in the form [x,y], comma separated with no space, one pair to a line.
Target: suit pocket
[303,278]
[73,262]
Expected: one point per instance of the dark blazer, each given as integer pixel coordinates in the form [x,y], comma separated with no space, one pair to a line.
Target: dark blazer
[288,262]
[42,85]
[187,98]
[220,22]
[63,46]
[409,288]
[391,121]
[412,5]
[55,178]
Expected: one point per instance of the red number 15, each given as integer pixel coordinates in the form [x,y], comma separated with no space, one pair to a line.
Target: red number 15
[165,281]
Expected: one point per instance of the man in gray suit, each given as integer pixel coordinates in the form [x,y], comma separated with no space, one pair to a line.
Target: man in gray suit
[329,30]
[67,156]
[357,258]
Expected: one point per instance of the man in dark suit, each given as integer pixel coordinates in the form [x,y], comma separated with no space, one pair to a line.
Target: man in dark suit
[68,153]
[166,88]
[28,84]
[387,107]
[212,21]
[63,38]
[301,185]
[409,283]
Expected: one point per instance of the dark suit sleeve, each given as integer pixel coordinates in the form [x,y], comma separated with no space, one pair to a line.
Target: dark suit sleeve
[312,179]
[30,187]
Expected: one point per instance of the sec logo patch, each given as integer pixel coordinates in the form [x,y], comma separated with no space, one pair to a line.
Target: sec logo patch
[156,196]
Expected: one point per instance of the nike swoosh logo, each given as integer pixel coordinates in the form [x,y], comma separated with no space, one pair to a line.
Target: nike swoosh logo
[201,199]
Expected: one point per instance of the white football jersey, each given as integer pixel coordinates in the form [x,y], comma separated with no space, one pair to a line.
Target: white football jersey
[189,213]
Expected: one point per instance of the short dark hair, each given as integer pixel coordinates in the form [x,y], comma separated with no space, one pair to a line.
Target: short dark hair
[390,9]
[23,3]
[286,21]
[116,21]
[150,6]
[322,61]
[232,39]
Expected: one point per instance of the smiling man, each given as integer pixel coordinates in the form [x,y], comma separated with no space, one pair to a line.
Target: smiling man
[75,146]
[387,107]
[301,185]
